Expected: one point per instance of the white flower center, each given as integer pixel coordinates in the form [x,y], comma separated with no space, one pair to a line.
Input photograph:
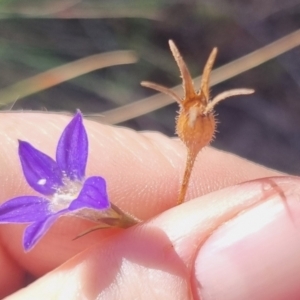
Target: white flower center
[65,194]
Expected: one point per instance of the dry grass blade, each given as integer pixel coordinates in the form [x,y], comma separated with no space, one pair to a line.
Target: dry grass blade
[77,9]
[218,75]
[63,73]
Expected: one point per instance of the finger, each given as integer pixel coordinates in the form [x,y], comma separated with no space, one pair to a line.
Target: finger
[128,160]
[241,242]
[143,173]
[12,277]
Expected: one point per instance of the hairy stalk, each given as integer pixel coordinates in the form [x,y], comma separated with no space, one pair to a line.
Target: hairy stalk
[186,177]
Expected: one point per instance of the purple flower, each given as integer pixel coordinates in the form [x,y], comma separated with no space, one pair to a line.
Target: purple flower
[62,184]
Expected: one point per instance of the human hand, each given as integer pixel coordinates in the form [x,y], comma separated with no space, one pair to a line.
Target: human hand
[233,241]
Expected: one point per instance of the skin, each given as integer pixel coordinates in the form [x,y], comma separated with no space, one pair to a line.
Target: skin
[238,236]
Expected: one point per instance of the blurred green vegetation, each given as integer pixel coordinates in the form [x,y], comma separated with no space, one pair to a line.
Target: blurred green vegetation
[38,35]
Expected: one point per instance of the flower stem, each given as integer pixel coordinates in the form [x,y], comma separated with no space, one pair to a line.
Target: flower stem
[125,219]
[191,157]
[114,217]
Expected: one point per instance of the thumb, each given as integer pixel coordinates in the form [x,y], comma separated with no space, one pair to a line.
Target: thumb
[242,242]
[256,255]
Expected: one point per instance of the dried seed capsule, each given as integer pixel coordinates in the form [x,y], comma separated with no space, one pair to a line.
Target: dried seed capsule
[195,124]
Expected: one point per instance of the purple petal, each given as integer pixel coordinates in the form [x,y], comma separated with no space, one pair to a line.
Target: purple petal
[34,232]
[72,149]
[41,171]
[24,209]
[93,195]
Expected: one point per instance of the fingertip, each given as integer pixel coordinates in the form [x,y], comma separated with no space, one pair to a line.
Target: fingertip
[255,255]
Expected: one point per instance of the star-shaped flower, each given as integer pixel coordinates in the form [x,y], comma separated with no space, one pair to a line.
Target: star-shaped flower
[62,184]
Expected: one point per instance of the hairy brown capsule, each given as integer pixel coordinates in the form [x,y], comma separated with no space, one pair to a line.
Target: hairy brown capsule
[195,124]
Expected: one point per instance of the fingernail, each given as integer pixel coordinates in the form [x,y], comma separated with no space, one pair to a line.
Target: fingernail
[256,255]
